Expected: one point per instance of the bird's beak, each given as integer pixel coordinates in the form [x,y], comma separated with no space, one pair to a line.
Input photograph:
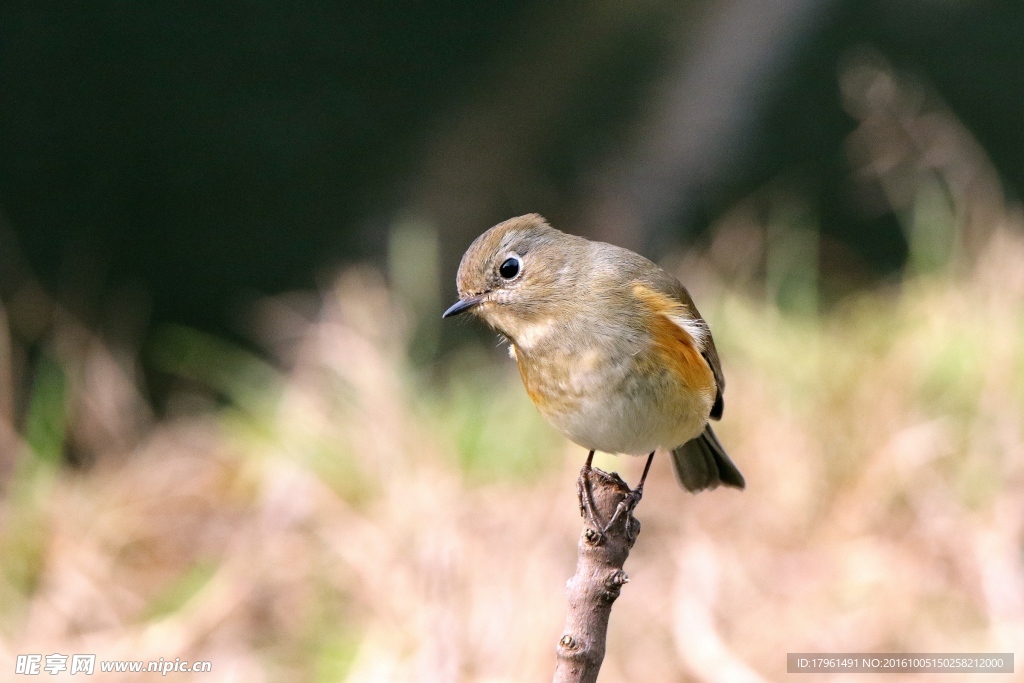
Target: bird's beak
[461,306]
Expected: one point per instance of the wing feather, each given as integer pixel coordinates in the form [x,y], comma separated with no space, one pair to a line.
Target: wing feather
[670,286]
[628,264]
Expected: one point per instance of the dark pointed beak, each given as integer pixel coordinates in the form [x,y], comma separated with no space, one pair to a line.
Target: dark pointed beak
[462,306]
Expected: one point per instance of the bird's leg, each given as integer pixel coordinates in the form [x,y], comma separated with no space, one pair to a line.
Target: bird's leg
[639,490]
[583,492]
[627,504]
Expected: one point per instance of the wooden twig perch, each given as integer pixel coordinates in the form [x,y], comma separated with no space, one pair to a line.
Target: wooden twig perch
[599,576]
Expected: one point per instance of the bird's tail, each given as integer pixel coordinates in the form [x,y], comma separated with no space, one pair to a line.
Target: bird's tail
[702,463]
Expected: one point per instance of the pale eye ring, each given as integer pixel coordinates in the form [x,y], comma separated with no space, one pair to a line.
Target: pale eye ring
[510,268]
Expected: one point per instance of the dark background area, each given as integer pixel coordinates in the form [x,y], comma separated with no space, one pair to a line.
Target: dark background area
[208,154]
[204,150]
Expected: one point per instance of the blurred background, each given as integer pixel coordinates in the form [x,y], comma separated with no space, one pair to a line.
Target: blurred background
[233,427]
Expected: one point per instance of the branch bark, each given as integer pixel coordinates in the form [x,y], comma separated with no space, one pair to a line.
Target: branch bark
[599,577]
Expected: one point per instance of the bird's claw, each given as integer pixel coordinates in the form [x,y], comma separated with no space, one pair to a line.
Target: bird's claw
[625,509]
[595,534]
[597,531]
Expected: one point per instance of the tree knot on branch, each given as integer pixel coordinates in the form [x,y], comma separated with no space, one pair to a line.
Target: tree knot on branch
[613,585]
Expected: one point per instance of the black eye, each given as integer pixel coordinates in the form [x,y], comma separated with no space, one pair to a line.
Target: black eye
[510,268]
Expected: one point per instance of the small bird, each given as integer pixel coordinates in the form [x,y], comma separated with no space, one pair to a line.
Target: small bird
[610,347]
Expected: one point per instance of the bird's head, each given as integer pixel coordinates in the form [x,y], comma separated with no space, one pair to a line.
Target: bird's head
[519,272]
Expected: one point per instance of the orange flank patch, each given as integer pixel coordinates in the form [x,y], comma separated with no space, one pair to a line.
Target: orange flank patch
[674,346]
[532,387]
[548,384]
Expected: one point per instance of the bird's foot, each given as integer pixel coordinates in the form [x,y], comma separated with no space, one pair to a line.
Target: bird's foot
[628,504]
[597,531]
[625,509]
[587,509]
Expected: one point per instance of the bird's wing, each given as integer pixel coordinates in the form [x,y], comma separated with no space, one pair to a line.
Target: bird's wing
[670,286]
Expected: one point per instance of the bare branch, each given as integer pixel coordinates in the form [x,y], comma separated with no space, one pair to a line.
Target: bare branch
[599,577]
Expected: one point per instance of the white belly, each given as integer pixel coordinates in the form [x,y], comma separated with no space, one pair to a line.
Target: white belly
[608,406]
[622,413]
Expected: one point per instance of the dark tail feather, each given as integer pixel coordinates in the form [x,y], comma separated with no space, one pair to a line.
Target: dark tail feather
[702,463]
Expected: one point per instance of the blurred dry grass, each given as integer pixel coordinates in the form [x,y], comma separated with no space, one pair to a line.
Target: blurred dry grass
[344,518]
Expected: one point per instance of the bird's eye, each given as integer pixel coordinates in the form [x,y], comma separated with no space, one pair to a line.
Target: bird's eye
[510,268]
